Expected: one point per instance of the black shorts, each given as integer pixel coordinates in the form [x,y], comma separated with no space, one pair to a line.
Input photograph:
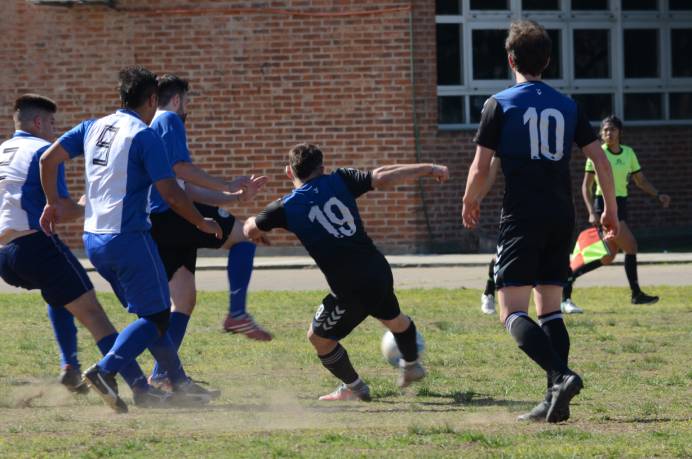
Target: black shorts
[622,207]
[178,240]
[339,314]
[534,252]
[37,261]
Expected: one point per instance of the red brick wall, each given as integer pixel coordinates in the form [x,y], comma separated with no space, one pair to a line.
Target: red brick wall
[262,82]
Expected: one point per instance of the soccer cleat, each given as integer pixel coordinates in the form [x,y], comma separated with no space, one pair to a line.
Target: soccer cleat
[71,378]
[189,393]
[152,397]
[345,393]
[104,384]
[538,413]
[568,307]
[162,384]
[487,304]
[643,298]
[247,326]
[562,393]
[409,373]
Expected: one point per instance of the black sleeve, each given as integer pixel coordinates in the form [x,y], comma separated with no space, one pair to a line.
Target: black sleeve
[358,182]
[583,134]
[273,216]
[490,128]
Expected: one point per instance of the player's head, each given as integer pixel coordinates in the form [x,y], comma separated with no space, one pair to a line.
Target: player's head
[304,163]
[528,47]
[35,114]
[173,94]
[611,130]
[138,91]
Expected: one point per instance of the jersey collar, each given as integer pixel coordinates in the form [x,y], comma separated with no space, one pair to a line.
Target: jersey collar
[129,112]
[20,133]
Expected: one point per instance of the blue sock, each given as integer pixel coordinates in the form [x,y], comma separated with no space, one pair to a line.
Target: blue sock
[176,331]
[65,334]
[239,269]
[131,342]
[166,355]
[131,373]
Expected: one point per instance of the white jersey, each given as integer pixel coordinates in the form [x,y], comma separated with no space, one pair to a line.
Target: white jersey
[122,157]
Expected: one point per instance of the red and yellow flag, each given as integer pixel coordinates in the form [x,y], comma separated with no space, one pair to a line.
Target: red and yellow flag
[590,246]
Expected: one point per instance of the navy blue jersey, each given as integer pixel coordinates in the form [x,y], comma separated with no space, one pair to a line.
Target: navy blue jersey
[531,127]
[323,214]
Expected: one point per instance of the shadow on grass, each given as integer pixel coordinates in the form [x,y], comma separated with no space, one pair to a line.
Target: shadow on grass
[471,398]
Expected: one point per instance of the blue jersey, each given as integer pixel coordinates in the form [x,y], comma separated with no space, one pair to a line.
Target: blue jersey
[172,130]
[22,198]
[531,127]
[122,157]
[323,214]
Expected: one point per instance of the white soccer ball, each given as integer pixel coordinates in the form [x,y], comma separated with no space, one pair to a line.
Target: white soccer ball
[390,351]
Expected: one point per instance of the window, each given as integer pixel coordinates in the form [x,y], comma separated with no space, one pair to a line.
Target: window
[591,53]
[641,53]
[680,46]
[630,58]
[580,5]
[639,5]
[530,5]
[596,106]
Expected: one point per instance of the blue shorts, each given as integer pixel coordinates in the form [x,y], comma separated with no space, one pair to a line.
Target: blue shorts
[130,262]
[37,261]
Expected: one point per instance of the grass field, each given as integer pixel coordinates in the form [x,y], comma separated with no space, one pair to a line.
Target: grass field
[636,362]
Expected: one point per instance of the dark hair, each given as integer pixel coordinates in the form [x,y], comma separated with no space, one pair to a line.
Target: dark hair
[529,45]
[614,120]
[169,86]
[136,85]
[28,102]
[304,160]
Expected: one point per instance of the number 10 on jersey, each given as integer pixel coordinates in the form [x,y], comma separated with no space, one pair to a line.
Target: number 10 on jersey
[542,147]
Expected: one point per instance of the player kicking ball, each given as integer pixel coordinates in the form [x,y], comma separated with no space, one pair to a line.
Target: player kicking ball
[123,157]
[536,227]
[322,212]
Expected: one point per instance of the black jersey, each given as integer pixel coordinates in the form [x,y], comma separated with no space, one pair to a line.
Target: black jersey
[532,127]
[323,214]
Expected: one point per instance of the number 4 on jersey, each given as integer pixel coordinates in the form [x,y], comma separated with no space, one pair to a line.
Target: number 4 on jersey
[531,117]
[345,225]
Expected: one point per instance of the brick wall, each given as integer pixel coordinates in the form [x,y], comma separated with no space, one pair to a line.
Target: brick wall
[263,81]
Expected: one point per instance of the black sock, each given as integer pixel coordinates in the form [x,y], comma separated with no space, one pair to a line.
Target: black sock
[490,283]
[631,271]
[580,271]
[535,343]
[406,342]
[554,327]
[338,363]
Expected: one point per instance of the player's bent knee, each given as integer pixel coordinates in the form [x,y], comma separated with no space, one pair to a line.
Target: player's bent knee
[161,320]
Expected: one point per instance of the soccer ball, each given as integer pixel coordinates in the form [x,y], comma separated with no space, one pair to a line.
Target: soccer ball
[390,351]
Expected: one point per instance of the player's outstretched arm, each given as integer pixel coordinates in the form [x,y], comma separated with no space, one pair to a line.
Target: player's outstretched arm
[49,164]
[609,219]
[476,186]
[181,204]
[191,173]
[389,176]
[643,183]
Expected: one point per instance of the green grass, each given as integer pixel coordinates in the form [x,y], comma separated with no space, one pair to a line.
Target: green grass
[636,362]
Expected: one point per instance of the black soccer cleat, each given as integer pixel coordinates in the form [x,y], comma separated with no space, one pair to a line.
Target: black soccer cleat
[643,298]
[538,413]
[104,384]
[562,393]
[152,397]
[71,378]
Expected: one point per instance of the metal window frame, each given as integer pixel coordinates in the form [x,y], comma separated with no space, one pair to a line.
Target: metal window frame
[567,21]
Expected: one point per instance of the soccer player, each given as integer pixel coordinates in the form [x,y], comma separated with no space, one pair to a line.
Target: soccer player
[123,157]
[178,240]
[531,128]
[32,260]
[625,164]
[322,212]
